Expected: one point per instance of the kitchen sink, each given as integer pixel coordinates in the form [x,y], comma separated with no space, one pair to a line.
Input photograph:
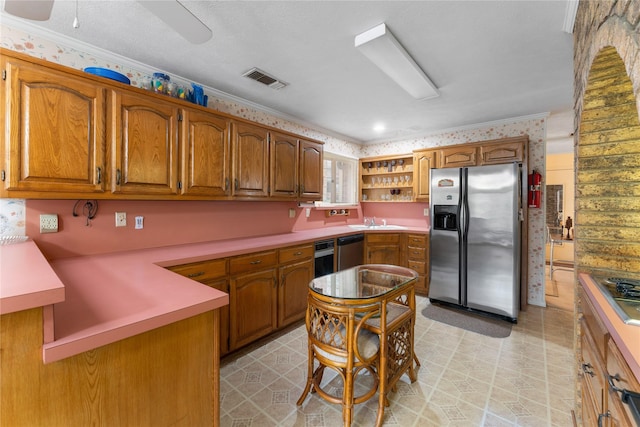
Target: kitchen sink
[377,227]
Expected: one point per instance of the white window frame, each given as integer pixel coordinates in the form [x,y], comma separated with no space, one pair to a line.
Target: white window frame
[329,196]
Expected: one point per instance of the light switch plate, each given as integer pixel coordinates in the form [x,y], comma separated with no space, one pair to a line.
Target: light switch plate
[48,223]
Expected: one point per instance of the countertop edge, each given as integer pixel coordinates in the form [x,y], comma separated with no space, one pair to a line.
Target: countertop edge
[622,334]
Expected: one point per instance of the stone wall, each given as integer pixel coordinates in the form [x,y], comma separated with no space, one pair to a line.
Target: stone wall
[607,141]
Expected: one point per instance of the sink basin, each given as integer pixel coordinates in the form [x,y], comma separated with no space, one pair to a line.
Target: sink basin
[377,227]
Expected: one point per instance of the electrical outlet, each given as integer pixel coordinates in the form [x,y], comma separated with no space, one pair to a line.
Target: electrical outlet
[139,223]
[426,211]
[121,219]
[292,213]
[48,223]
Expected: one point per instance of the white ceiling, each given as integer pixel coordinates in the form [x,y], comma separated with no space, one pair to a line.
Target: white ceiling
[491,60]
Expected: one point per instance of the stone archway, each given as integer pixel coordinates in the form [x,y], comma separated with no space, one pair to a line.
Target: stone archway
[608,171]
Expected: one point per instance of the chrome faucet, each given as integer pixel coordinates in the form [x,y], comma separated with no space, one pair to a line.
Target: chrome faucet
[373,222]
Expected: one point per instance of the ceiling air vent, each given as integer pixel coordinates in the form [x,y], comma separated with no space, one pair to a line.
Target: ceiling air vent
[264,78]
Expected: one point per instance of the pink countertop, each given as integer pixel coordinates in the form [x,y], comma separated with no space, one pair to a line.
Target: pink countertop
[110,297]
[626,337]
[26,279]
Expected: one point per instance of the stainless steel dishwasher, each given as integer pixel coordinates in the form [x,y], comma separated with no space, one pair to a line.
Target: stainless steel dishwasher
[350,251]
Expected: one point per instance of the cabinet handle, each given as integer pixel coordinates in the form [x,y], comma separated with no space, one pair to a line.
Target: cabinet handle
[192,275]
[301,189]
[118,176]
[235,183]
[612,386]
[258,261]
[298,253]
[226,185]
[601,416]
[587,369]
[99,175]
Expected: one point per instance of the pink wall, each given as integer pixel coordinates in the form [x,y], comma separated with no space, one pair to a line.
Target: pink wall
[177,222]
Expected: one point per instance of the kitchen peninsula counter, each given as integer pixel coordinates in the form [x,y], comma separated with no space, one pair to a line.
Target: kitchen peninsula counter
[114,296]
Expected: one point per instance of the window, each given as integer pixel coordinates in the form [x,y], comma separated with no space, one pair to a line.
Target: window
[340,176]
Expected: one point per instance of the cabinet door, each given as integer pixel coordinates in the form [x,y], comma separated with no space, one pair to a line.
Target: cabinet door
[206,164]
[423,162]
[383,254]
[459,156]
[498,153]
[55,131]
[310,170]
[284,166]
[250,153]
[253,305]
[146,146]
[293,290]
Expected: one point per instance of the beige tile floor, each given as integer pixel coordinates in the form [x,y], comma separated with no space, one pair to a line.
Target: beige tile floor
[466,379]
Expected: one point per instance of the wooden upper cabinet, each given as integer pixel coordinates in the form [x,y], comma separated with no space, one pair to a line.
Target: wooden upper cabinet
[423,162]
[250,154]
[55,131]
[145,145]
[206,155]
[284,166]
[501,152]
[310,170]
[458,156]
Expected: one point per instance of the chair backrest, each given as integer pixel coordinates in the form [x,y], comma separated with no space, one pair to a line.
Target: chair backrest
[337,330]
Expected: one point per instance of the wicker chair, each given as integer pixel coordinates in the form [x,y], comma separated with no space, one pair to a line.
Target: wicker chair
[339,340]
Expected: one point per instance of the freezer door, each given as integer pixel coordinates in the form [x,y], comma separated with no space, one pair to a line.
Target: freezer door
[493,239]
[444,239]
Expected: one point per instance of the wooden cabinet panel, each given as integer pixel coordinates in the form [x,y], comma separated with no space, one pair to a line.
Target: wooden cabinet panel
[55,131]
[206,155]
[501,152]
[423,162]
[458,156]
[225,344]
[383,248]
[310,173]
[598,332]
[284,166]
[623,378]
[250,154]
[145,145]
[293,290]
[253,305]
[252,262]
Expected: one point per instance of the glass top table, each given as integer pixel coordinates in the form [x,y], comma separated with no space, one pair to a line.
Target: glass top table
[363,281]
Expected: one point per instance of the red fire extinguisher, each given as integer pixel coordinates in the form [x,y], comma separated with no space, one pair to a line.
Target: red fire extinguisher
[535,181]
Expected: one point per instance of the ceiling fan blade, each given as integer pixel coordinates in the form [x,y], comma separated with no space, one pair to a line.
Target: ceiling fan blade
[36,10]
[178,17]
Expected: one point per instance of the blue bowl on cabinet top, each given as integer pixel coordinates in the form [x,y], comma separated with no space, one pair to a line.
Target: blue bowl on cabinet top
[109,74]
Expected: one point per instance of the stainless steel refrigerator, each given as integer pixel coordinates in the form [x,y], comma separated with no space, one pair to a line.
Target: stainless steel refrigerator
[475,238]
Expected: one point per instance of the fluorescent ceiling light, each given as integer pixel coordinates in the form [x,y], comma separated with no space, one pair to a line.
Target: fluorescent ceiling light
[384,50]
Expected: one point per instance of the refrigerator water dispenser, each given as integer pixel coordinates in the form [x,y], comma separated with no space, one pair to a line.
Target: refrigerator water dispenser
[445,217]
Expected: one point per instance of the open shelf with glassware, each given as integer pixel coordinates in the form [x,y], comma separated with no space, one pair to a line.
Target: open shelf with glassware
[387,179]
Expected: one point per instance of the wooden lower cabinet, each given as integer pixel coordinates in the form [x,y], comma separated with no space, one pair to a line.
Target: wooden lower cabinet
[418,260]
[168,376]
[253,305]
[383,248]
[295,273]
[600,363]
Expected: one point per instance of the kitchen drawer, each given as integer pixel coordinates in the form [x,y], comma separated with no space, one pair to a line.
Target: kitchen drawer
[417,240]
[252,262]
[417,254]
[383,238]
[598,331]
[202,271]
[295,253]
[418,266]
